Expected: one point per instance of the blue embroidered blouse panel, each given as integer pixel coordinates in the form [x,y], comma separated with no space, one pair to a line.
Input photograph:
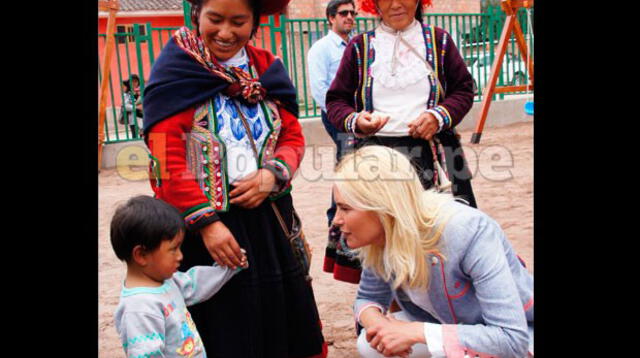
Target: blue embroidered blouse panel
[239,154]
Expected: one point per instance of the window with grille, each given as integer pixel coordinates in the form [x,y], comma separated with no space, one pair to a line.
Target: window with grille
[128,30]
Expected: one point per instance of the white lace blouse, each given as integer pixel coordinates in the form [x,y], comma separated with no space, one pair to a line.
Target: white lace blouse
[400,87]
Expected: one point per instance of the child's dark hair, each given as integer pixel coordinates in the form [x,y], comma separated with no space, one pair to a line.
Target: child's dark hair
[144,221]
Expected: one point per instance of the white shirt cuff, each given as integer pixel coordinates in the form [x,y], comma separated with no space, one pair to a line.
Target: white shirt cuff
[438,117]
[433,337]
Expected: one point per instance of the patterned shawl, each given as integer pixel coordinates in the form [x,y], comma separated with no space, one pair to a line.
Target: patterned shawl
[186,74]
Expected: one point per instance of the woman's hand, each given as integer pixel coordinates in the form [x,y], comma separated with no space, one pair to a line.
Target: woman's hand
[372,317]
[222,246]
[425,126]
[251,190]
[394,337]
[368,124]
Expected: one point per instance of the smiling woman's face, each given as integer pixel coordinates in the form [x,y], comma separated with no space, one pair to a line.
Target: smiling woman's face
[397,14]
[360,227]
[225,26]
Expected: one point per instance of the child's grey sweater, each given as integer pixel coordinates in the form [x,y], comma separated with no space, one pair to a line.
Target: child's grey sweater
[155,322]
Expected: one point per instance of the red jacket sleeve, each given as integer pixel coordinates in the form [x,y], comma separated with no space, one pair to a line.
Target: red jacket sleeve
[289,147]
[177,185]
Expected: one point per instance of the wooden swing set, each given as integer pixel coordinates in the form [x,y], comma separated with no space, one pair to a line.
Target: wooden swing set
[112,6]
[511,25]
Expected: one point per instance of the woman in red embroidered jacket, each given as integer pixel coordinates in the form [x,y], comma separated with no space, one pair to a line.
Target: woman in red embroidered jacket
[403,85]
[201,87]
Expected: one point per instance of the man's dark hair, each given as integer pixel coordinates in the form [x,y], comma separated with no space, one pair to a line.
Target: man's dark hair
[144,221]
[196,8]
[332,7]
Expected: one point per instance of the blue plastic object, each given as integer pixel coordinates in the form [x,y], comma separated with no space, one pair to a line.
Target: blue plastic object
[528,108]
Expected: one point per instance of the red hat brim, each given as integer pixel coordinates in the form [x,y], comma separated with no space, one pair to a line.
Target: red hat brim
[271,7]
[369,6]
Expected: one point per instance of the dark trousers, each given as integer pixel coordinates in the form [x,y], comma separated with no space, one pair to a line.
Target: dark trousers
[343,142]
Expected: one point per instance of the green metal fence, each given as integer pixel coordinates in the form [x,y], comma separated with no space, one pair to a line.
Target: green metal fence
[476,36]
[134,53]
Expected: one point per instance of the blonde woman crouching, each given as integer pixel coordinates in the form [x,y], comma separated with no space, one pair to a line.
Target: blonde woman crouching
[461,288]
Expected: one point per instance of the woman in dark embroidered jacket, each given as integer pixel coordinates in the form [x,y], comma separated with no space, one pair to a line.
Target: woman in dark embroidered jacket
[403,85]
[212,100]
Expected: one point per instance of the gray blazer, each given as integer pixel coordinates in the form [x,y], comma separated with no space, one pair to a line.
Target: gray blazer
[481,291]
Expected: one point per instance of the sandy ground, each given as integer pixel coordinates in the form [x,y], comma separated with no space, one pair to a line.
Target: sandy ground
[502,167]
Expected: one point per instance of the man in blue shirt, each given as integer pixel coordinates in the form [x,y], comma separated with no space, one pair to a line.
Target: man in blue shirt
[324,58]
[323,61]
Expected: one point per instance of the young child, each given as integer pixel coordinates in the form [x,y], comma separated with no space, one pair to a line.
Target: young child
[152,318]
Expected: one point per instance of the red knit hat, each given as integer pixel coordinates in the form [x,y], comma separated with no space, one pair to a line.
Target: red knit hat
[369,6]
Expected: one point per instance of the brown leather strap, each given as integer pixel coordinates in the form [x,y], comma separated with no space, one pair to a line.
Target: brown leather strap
[255,152]
[280,219]
[248,129]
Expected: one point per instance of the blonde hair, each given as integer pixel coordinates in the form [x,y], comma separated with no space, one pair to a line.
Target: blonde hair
[382,180]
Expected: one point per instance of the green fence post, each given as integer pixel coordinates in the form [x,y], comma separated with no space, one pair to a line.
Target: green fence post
[494,20]
[501,20]
[282,29]
[119,87]
[113,111]
[128,60]
[150,43]
[139,38]
[273,29]
[187,14]
[304,68]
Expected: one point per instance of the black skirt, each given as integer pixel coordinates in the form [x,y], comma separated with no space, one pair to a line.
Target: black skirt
[419,153]
[267,310]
